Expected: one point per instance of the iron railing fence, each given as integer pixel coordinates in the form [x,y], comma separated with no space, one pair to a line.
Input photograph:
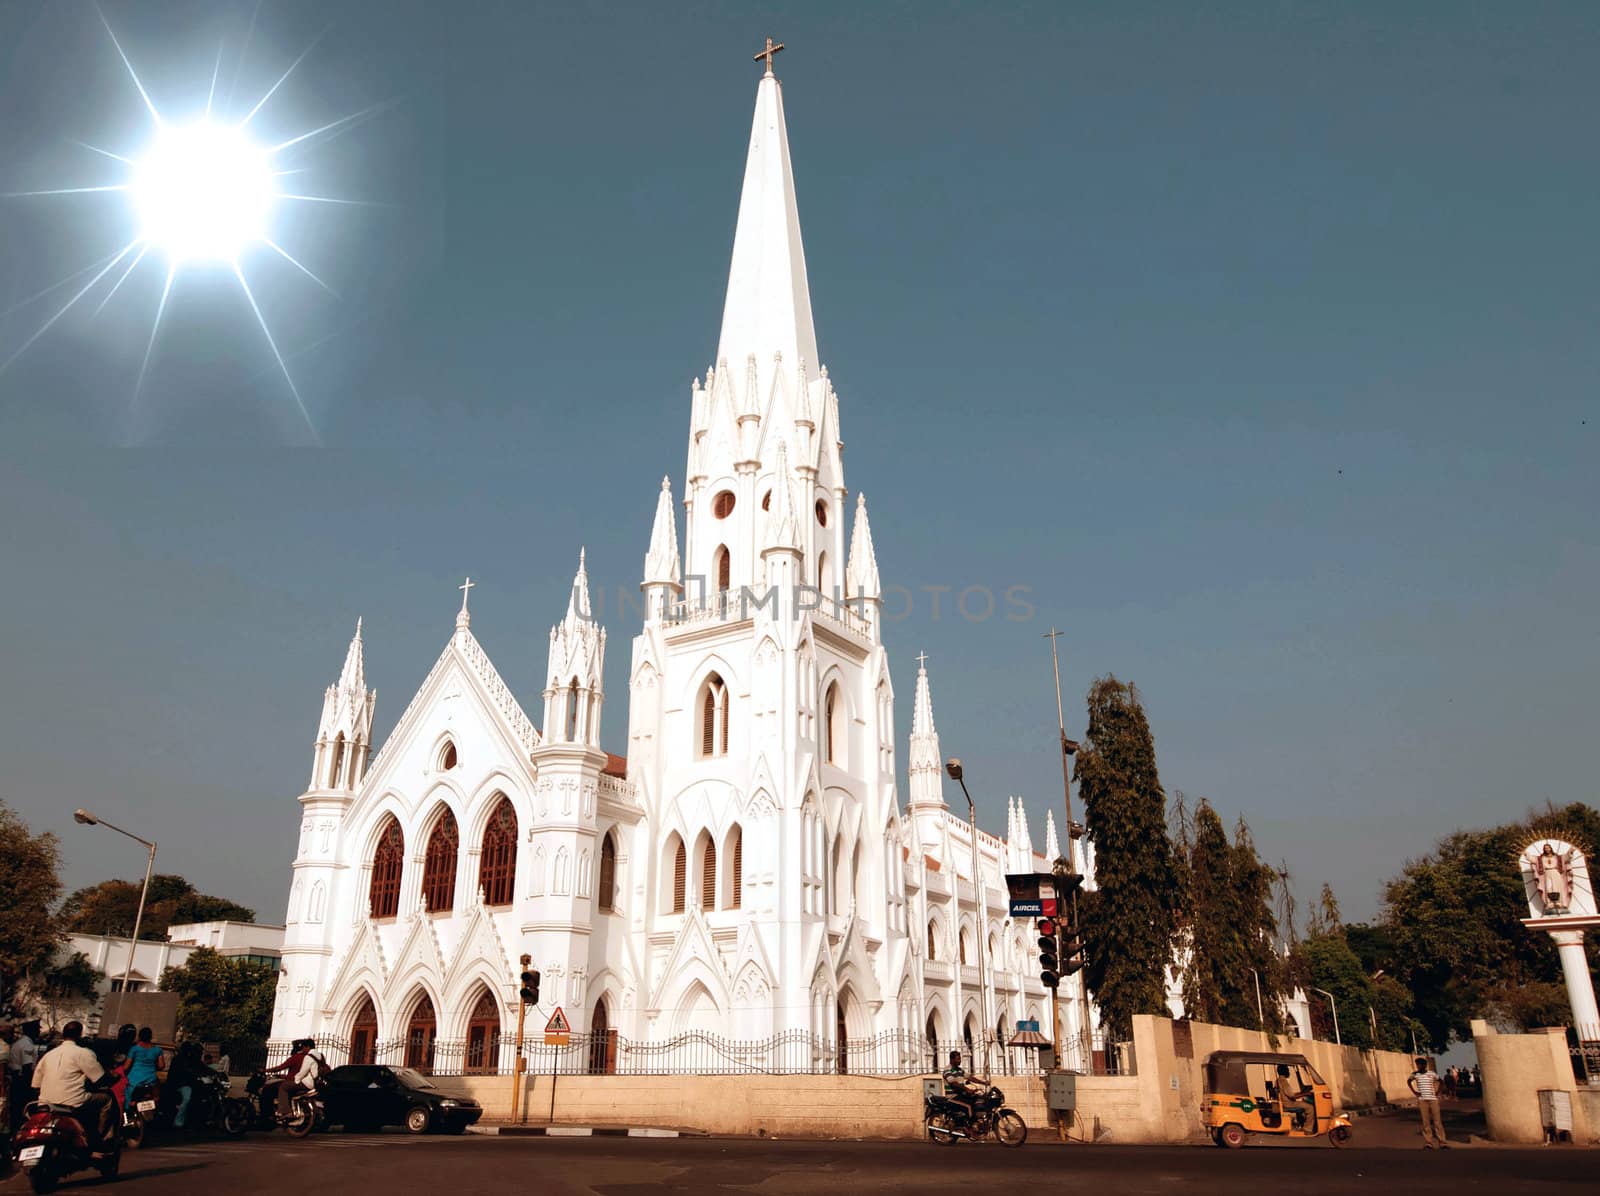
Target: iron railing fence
[794,1052]
[1584,1043]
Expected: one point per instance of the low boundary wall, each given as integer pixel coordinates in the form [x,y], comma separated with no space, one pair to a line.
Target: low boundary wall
[1161,1103]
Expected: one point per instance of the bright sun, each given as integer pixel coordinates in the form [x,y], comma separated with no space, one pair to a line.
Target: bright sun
[203,193]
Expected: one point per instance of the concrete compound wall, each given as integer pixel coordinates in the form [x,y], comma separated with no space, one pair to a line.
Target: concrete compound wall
[1515,1067]
[1159,1104]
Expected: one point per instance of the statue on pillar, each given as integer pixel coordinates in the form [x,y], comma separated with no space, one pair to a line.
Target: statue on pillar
[1561,902]
[1554,874]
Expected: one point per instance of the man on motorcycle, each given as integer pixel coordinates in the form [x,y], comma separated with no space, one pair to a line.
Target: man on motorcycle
[272,1091]
[958,1087]
[304,1078]
[65,1078]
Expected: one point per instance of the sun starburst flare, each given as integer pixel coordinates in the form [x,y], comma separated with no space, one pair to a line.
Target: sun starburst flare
[206,194]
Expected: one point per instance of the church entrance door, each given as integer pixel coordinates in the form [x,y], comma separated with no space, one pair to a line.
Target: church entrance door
[420,1032]
[364,1034]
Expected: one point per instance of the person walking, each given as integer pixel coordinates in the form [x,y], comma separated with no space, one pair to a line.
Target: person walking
[1424,1082]
[24,1054]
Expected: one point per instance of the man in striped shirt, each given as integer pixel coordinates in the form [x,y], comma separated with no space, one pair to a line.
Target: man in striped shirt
[1425,1083]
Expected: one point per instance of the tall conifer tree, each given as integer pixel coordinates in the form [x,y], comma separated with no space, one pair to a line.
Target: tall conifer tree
[1128,920]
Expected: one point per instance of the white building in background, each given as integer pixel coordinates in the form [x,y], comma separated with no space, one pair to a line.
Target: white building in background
[747,871]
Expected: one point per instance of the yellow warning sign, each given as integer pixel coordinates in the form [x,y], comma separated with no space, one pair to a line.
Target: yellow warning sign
[557,1031]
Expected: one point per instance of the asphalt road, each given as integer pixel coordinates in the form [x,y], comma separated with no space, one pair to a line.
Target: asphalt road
[633,1166]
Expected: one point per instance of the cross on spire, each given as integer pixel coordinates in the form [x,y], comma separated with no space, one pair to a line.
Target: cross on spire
[922,660]
[466,589]
[772,48]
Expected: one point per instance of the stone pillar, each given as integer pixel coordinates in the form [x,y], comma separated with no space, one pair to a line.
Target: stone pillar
[1580,985]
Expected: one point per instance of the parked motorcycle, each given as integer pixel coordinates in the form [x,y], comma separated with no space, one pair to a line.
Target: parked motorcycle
[51,1145]
[949,1119]
[306,1110]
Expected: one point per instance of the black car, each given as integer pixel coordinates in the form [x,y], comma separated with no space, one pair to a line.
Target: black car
[366,1097]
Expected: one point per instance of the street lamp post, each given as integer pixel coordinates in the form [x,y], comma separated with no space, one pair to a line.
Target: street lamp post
[1333,1005]
[1261,1012]
[88,819]
[953,767]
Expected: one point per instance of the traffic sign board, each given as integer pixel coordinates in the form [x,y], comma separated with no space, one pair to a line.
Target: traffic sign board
[557,1031]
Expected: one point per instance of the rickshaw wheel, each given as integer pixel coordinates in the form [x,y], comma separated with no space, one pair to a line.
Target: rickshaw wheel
[1232,1135]
[1340,1135]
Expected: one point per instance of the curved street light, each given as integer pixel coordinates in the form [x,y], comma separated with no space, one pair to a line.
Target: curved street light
[953,767]
[87,819]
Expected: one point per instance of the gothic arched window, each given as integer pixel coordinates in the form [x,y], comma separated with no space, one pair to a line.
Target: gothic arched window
[714,717]
[447,756]
[572,711]
[708,873]
[933,942]
[608,873]
[483,1035]
[439,865]
[722,567]
[680,876]
[338,761]
[497,866]
[833,726]
[735,869]
[388,864]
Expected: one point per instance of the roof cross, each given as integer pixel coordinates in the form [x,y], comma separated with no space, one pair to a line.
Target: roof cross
[465,588]
[768,53]
[922,661]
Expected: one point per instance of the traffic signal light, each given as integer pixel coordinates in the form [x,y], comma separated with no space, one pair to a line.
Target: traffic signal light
[1049,972]
[1070,943]
[530,984]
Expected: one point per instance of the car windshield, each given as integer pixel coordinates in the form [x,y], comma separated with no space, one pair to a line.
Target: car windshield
[411,1079]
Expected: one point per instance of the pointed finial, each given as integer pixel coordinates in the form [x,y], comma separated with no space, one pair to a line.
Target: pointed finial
[463,619]
[768,53]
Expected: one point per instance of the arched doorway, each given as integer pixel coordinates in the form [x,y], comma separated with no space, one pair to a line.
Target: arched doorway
[842,1032]
[420,1033]
[602,1041]
[483,1036]
[931,1030]
[364,1034]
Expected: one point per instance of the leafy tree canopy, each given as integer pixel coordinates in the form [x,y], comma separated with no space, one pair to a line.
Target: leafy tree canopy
[1452,928]
[30,930]
[1129,919]
[221,999]
[110,907]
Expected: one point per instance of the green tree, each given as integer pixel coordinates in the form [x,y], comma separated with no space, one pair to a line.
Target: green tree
[1129,919]
[70,985]
[221,999]
[1228,928]
[30,930]
[1456,939]
[111,906]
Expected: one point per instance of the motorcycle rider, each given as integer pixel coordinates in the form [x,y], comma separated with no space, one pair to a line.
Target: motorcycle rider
[289,1068]
[959,1088]
[66,1078]
[304,1077]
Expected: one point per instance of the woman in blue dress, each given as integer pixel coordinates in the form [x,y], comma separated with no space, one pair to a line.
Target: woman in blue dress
[144,1061]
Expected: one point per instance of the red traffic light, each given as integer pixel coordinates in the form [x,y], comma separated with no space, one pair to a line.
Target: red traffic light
[1046,926]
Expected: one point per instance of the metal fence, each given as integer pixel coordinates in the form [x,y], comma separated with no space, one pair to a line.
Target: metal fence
[1584,1043]
[892,1053]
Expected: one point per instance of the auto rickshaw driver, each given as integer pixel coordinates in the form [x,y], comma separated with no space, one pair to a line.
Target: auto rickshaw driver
[1293,1095]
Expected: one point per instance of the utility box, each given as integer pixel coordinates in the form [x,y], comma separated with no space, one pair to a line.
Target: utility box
[932,1088]
[1555,1114]
[1061,1091]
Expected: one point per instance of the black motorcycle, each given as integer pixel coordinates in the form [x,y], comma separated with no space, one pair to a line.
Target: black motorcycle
[152,1108]
[950,1119]
[306,1110]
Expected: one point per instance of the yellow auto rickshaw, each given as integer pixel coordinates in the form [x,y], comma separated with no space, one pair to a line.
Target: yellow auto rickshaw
[1258,1092]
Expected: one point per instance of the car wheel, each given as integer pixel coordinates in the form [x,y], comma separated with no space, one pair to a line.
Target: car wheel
[417,1120]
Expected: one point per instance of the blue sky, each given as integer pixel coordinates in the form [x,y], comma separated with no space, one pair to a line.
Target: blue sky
[1255,341]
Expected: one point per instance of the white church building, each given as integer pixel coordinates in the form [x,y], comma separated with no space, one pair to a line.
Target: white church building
[748,885]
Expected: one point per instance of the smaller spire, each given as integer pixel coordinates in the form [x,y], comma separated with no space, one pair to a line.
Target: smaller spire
[785,524]
[863,567]
[578,609]
[353,677]
[1052,849]
[661,564]
[924,766]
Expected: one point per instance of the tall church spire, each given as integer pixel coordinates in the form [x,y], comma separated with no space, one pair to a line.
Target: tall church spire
[927,786]
[353,677]
[768,308]
[661,561]
[1052,848]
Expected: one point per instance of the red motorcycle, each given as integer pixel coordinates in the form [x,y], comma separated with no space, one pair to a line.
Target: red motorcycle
[51,1145]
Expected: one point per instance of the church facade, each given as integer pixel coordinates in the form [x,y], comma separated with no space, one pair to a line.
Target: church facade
[747,872]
